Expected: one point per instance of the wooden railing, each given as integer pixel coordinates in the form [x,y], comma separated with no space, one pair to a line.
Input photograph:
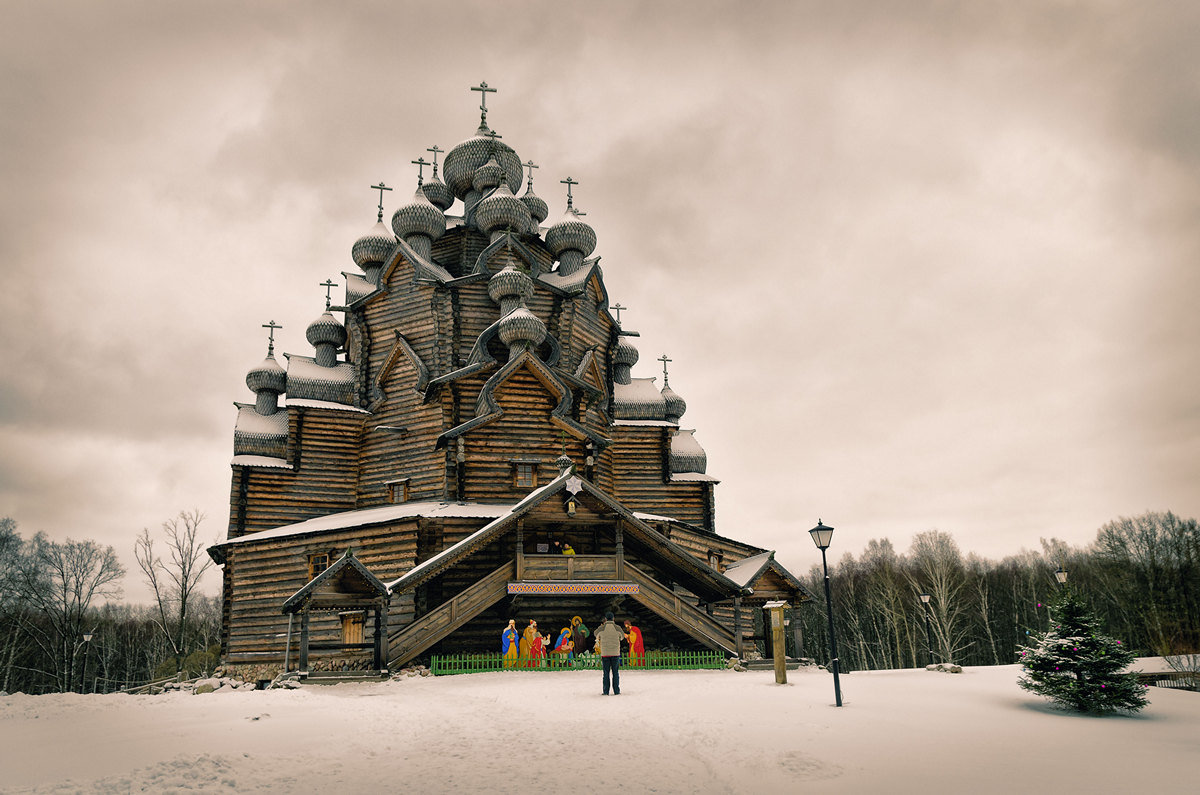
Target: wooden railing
[667,604]
[569,567]
[427,630]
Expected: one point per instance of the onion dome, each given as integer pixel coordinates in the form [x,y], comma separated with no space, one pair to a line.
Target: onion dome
[564,464]
[374,247]
[675,405]
[510,283]
[267,377]
[686,454]
[501,210]
[326,335]
[637,399]
[521,328]
[419,217]
[624,356]
[487,176]
[462,161]
[537,208]
[438,194]
[326,330]
[570,240]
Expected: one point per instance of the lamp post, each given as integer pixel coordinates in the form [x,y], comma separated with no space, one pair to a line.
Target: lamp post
[928,632]
[822,534]
[87,639]
[1061,575]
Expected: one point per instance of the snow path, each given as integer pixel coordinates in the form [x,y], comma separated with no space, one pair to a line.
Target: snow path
[668,732]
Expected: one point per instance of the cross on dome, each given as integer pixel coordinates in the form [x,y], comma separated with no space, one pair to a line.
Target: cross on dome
[420,163]
[436,151]
[493,135]
[328,285]
[664,360]
[618,309]
[569,182]
[381,188]
[483,90]
[529,164]
[272,325]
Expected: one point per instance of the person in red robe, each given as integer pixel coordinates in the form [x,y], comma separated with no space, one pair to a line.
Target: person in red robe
[537,650]
[637,651]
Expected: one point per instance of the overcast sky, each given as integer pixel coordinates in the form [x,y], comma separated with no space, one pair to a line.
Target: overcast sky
[918,265]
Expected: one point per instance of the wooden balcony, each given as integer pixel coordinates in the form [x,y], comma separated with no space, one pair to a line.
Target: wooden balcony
[568,567]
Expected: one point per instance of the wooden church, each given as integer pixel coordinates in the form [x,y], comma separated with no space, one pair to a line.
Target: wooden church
[473,417]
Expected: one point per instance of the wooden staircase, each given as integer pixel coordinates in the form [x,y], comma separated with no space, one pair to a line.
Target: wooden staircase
[409,642]
[666,604]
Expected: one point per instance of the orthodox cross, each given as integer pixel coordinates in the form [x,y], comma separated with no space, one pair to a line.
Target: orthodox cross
[420,163]
[328,285]
[271,340]
[493,135]
[617,308]
[381,188]
[529,164]
[664,360]
[568,182]
[483,90]
[436,151]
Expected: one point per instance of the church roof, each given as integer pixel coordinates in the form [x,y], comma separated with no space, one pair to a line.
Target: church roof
[345,579]
[693,574]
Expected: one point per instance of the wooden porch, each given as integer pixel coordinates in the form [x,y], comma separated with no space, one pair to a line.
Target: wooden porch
[552,574]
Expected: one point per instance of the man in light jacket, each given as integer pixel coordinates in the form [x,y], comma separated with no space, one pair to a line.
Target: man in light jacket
[608,646]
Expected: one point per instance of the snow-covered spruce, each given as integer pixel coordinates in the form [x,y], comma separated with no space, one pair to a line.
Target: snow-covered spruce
[1077,666]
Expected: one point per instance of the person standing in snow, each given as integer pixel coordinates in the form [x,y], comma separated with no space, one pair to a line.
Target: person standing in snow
[608,646]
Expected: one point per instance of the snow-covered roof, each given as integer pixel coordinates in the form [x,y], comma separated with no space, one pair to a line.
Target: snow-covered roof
[322,404]
[646,423]
[744,571]
[249,421]
[696,477]
[307,368]
[638,400]
[379,515]
[260,461]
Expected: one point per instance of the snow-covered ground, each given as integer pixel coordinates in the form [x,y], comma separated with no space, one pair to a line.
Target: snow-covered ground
[668,731]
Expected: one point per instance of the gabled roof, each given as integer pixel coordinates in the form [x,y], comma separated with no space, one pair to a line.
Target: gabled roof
[747,571]
[696,576]
[351,578]
[487,409]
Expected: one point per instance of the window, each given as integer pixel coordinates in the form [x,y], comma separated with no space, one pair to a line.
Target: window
[317,563]
[398,490]
[525,473]
[714,559]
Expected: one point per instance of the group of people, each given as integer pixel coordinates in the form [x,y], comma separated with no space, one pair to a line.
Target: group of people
[530,649]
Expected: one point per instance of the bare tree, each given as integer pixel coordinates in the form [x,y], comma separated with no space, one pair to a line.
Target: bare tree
[61,581]
[937,566]
[174,583]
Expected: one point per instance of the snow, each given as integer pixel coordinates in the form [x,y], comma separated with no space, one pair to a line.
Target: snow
[261,461]
[323,404]
[380,515]
[668,731]
[745,570]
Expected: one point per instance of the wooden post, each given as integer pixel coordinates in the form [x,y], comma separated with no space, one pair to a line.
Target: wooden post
[287,650]
[520,549]
[620,552]
[378,650]
[304,643]
[384,641]
[737,627]
[778,647]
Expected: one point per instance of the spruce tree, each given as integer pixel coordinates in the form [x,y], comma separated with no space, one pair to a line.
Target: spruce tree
[1077,666]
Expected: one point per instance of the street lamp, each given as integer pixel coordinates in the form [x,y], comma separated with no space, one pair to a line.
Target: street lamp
[928,632]
[87,639]
[822,534]
[1061,575]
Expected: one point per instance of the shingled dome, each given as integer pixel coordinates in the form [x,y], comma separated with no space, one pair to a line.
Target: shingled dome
[502,210]
[374,247]
[675,405]
[326,329]
[438,193]
[686,453]
[570,233]
[538,208]
[419,217]
[462,161]
[268,376]
[487,176]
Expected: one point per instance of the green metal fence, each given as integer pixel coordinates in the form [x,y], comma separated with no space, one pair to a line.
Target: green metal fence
[447,664]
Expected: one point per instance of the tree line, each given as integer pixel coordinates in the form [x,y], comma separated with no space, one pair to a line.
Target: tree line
[61,630]
[1140,576]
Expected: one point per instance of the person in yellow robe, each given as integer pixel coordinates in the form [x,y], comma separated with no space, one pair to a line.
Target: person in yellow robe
[509,644]
[527,637]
